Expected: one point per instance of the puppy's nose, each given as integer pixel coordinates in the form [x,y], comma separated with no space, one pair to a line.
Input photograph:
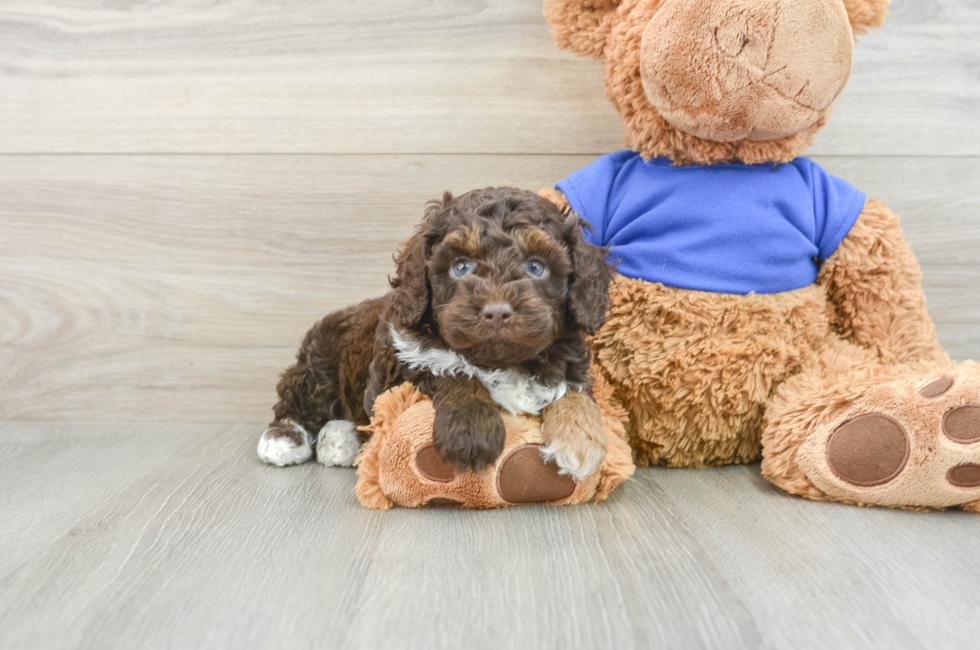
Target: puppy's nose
[497,313]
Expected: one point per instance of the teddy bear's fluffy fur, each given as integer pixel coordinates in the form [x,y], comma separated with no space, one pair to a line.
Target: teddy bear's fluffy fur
[710,379]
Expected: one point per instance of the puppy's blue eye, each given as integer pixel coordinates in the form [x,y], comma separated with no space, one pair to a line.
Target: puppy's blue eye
[535,269]
[462,267]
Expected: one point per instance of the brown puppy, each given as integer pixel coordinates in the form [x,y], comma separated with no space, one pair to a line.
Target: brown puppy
[493,295]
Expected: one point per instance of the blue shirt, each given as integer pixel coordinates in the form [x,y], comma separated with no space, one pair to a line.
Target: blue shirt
[730,228]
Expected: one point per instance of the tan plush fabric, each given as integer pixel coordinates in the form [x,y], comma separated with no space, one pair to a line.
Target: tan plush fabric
[865,14]
[730,70]
[582,25]
[847,384]
[392,472]
[873,283]
[688,85]
[696,369]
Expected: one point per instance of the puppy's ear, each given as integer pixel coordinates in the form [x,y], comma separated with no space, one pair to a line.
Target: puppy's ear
[411,282]
[588,293]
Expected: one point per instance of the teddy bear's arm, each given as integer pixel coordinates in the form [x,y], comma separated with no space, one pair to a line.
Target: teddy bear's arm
[574,433]
[873,281]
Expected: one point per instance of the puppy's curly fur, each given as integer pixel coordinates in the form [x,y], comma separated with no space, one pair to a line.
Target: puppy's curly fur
[493,295]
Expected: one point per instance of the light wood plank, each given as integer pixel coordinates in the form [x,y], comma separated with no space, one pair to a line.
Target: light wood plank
[209,548]
[919,564]
[176,288]
[625,573]
[172,560]
[51,476]
[397,76]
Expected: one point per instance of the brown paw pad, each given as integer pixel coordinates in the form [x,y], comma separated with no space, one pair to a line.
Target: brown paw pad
[937,388]
[966,475]
[432,466]
[443,502]
[524,477]
[963,424]
[868,450]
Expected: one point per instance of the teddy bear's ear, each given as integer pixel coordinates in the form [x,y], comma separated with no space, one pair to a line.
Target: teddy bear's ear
[583,25]
[865,14]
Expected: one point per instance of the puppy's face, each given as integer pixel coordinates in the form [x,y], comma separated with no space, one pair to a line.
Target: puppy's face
[499,289]
[506,272]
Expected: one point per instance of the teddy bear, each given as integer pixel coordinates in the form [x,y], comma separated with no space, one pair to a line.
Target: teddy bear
[763,307]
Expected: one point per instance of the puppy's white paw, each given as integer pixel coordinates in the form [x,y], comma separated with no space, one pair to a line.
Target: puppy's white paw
[285,443]
[338,444]
[578,461]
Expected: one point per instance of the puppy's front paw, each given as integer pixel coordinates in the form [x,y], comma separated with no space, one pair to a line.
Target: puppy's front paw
[285,443]
[469,435]
[337,445]
[574,435]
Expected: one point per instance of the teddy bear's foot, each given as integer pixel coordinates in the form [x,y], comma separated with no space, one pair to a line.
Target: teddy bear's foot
[399,464]
[523,475]
[337,444]
[285,443]
[906,443]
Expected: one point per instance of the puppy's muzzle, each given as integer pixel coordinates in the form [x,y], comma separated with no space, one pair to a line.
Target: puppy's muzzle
[497,314]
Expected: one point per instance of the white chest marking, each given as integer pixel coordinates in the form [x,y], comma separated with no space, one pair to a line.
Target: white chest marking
[514,390]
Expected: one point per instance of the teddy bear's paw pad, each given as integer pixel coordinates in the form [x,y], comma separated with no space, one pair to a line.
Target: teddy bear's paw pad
[962,424]
[432,467]
[526,477]
[337,444]
[937,388]
[871,449]
[966,475]
[285,443]
[443,502]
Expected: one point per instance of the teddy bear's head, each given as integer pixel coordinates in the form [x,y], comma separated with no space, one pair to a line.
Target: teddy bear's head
[704,81]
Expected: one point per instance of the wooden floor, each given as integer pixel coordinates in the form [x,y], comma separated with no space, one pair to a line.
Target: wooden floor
[186,185]
[175,536]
